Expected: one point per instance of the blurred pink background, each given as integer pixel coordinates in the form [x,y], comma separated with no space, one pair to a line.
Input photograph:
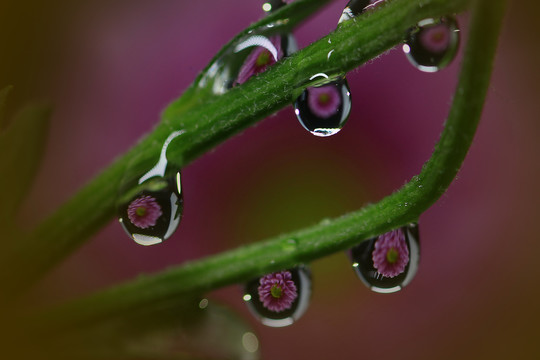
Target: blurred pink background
[111,67]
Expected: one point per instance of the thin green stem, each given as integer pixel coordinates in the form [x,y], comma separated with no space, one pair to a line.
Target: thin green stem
[94,205]
[208,121]
[303,246]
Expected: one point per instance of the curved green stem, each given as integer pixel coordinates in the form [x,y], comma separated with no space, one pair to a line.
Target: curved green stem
[303,246]
[207,121]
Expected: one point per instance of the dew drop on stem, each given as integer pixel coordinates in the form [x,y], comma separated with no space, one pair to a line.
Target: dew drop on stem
[323,109]
[150,206]
[280,298]
[432,44]
[357,7]
[249,56]
[388,262]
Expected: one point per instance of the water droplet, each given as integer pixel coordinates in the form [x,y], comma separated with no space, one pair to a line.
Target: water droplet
[325,221]
[432,44]
[387,263]
[279,299]
[150,208]
[289,245]
[324,109]
[273,5]
[246,57]
[354,8]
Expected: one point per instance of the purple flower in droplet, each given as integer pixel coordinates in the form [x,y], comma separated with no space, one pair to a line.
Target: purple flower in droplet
[277,291]
[391,254]
[260,58]
[144,211]
[323,101]
[436,38]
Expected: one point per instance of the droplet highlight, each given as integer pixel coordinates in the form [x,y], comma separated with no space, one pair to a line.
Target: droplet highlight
[323,110]
[150,208]
[273,5]
[280,298]
[432,44]
[388,262]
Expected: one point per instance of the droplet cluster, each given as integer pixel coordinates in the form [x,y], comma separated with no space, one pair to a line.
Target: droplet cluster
[385,264]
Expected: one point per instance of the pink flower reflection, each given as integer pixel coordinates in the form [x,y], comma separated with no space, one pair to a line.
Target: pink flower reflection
[324,101]
[260,59]
[144,211]
[277,291]
[391,254]
[436,38]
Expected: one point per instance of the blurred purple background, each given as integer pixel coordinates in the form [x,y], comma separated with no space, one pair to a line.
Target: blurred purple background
[110,67]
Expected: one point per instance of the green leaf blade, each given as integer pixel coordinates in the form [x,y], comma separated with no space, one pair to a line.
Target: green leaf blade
[22,146]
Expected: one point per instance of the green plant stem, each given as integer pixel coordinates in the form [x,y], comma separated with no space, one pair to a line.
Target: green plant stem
[210,121]
[303,246]
[93,206]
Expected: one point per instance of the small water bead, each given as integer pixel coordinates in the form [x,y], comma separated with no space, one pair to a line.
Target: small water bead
[273,5]
[323,110]
[153,212]
[289,245]
[389,262]
[279,299]
[432,44]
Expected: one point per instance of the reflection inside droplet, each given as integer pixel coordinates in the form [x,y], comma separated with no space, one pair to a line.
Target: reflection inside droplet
[323,110]
[279,299]
[264,52]
[388,262]
[248,56]
[150,208]
[432,44]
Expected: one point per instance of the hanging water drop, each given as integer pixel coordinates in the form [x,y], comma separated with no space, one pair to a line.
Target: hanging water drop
[152,211]
[323,110]
[432,44]
[279,299]
[388,263]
